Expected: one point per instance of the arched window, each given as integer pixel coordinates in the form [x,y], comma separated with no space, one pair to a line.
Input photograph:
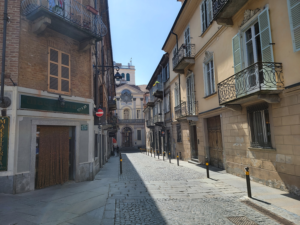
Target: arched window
[126,114]
[128,77]
[123,75]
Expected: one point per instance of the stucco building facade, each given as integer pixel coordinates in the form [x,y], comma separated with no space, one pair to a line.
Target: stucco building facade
[234,84]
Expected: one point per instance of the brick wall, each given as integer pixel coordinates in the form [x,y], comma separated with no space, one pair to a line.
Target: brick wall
[34,60]
[12,40]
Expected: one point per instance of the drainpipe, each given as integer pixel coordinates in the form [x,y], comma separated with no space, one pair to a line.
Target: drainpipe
[4,101]
[179,74]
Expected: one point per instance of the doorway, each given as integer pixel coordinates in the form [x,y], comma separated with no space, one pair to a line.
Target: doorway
[127,137]
[55,156]
[194,145]
[215,141]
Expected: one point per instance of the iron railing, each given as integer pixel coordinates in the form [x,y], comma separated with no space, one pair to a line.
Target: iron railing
[186,109]
[150,123]
[218,5]
[112,104]
[158,119]
[261,76]
[69,10]
[157,87]
[128,121]
[186,50]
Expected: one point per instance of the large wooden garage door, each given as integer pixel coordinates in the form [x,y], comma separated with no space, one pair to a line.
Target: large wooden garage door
[215,141]
[53,157]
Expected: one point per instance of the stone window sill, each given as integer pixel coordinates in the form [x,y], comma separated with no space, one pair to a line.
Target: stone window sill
[262,149]
[210,95]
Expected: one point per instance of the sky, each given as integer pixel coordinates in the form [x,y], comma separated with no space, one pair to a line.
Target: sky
[139,29]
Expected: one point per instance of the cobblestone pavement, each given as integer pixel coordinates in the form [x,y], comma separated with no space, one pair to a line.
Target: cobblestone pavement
[152,191]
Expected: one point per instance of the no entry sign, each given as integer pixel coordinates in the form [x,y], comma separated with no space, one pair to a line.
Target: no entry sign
[99,113]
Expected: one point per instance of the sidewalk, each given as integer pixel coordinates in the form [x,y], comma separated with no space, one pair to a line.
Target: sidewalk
[70,203]
[262,195]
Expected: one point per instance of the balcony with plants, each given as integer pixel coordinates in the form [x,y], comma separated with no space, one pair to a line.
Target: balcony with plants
[262,80]
[184,57]
[68,17]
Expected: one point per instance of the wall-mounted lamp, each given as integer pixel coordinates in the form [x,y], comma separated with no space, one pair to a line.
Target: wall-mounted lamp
[61,100]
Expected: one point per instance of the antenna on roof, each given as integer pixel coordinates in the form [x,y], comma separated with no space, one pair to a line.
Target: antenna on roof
[131,61]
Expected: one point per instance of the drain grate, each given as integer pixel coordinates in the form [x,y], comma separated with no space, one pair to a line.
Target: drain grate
[266,212]
[241,220]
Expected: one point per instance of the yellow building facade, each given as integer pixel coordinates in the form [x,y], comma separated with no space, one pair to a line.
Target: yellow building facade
[235,87]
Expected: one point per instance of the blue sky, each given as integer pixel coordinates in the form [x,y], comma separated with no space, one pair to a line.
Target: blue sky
[139,29]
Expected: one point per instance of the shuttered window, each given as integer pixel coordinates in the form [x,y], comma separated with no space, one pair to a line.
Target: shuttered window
[58,72]
[206,14]
[139,135]
[294,14]
[178,129]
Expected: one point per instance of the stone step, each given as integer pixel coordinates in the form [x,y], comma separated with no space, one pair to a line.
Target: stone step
[193,162]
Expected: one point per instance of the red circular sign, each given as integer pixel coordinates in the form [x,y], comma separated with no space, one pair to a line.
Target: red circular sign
[99,113]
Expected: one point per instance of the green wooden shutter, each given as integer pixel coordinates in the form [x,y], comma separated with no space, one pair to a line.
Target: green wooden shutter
[236,48]
[294,14]
[265,36]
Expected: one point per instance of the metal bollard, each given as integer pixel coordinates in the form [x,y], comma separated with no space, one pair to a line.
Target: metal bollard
[163,156]
[248,182]
[207,167]
[177,159]
[169,157]
[157,154]
[120,163]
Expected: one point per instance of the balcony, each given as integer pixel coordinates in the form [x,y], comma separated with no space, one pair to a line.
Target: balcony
[150,123]
[158,120]
[132,121]
[224,10]
[186,111]
[150,103]
[257,81]
[184,57]
[112,105]
[68,17]
[158,90]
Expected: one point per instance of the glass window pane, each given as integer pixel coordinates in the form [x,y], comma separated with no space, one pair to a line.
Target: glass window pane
[250,53]
[268,128]
[256,28]
[248,34]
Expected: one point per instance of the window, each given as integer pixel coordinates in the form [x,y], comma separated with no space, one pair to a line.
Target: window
[178,128]
[206,14]
[139,135]
[294,12]
[123,75]
[146,99]
[58,71]
[259,124]
[187,41]
[127,76]
[176,95]
[167,103]
[175,51]
[167,71]
[126,114]
[138,113]
[190,94]
[209,78]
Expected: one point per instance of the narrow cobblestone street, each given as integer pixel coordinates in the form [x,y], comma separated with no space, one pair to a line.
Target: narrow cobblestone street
[150,191]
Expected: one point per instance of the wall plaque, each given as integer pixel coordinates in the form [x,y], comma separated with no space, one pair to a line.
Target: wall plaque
[4,136]
[47,104]
[84,127]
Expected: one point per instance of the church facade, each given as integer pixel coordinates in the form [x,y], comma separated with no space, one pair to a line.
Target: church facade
[130,105]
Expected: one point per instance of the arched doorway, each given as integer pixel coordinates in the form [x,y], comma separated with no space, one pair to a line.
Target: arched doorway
[126,114]
[127,137]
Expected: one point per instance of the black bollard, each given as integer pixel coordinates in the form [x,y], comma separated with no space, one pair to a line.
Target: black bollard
[163,156]
[169,157]
[177,159]
[207,167]
[120,163]
[248,182]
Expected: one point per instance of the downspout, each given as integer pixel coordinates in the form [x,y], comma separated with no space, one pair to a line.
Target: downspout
[179,74]
[4,101]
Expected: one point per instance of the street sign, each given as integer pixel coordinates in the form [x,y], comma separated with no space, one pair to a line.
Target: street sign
[99,113]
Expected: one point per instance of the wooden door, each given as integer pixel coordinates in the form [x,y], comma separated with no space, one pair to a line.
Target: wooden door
[215,141]
[53,156]
[194,144]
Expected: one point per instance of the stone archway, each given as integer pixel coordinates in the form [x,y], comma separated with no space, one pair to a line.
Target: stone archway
[127,137]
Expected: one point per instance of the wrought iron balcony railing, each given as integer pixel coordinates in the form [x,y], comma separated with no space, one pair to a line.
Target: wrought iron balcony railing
[158,119]
[129,121]
[112,104]
[259,77]
[186,109]
[157,90]
[150,123]
[185,51]
[69,10]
